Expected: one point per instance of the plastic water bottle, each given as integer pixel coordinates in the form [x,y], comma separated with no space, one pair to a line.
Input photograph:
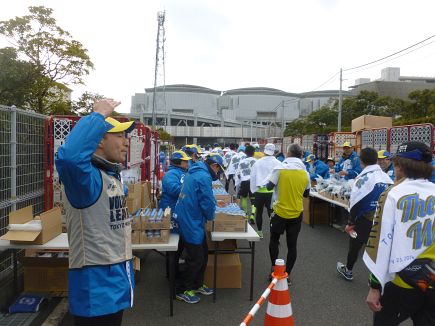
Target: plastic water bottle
[353,234]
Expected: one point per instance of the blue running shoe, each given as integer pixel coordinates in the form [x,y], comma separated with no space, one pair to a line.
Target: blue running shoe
[204,290]
[188,296]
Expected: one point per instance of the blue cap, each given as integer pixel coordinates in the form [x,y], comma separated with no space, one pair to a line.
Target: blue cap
[310,158]
[190,149]
[415,150]
[241,148]
[384,154]
[180,155]
[215,158]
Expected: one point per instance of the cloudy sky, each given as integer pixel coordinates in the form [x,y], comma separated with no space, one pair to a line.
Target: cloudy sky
[295,46]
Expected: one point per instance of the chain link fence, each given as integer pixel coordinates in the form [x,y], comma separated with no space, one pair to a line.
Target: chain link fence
[22,162]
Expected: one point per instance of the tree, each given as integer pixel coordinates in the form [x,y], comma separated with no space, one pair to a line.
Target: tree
[83,106]
[55,56]
[163,134]
[423,102]
[16,80]
[324,120]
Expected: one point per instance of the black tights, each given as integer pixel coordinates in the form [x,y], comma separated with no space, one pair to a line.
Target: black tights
[277,227]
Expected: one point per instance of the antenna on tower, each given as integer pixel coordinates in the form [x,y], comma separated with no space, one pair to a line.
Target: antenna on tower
[159,68]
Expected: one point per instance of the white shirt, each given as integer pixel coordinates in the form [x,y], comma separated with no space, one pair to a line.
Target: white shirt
[261,170]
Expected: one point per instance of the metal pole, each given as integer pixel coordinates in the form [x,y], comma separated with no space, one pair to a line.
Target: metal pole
[14,157]
[340,100]
[251,131]
[142,109]
[160,21]
[282,118]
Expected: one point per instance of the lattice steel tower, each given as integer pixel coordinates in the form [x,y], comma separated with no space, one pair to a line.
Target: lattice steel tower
[159,98]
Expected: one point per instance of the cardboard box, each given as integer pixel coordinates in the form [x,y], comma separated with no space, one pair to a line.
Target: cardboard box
[136,223]
[146,195]
[134,188]
[371,122]
[224,198]
[135,236]
[133,204]
[165,224]
[229,244]
[321,211]
[229,271]
[229,223]
[164,237]
[134,197]
[50,221]
[43,274]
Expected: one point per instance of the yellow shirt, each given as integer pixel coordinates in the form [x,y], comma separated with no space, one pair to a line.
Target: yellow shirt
[291,187]
[429,253]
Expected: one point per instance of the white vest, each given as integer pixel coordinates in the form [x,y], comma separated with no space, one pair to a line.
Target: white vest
[100,234]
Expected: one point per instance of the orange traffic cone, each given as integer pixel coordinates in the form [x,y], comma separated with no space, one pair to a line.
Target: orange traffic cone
[279,308]
[161,173]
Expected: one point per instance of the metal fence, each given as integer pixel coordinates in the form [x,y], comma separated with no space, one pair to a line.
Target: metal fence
[22,162]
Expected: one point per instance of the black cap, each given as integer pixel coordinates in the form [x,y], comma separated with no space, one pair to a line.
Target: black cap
[415,150]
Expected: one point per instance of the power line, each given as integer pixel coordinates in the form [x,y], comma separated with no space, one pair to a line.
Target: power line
[392,59]
[388,56]
[326,82]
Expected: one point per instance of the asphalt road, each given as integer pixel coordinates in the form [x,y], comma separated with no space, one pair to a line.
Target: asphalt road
[319,296]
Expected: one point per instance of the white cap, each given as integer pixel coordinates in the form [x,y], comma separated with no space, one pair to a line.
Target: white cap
[269,149]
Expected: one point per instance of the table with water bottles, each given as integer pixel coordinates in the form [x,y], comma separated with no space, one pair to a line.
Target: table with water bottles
[61,243]
[233,209]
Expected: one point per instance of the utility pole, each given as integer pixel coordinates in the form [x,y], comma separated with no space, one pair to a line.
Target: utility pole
[160,60]
[282,118]
[340,100]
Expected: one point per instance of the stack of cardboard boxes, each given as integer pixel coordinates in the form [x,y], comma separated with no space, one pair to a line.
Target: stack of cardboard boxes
[43,271]
[148,228]
[224,222]
[229,267]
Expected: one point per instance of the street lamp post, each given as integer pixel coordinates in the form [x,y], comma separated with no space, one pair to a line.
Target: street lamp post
[340,100]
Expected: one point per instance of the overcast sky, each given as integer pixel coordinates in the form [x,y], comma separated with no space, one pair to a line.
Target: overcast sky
[294,46]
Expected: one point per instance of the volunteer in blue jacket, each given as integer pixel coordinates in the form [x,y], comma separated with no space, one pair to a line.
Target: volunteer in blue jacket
[349,165]
[100,278]
[162,158]
[384,161]
[173,179]
[316,168]
[196,205]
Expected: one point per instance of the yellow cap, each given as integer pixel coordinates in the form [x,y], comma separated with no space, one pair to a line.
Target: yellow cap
[384,154]
[180,155]
[199,149]
[120,126]
[347,144]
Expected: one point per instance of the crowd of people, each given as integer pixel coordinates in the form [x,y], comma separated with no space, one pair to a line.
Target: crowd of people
[392,213]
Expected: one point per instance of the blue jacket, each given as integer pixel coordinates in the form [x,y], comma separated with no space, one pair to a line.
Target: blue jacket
[433,173]
[353,170]
[367,205]
[93,290]
[319,168]
[390,172]
[162,158]
[196,204]
[171,187]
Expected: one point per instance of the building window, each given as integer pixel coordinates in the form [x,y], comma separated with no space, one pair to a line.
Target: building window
[266,114]
[184,111]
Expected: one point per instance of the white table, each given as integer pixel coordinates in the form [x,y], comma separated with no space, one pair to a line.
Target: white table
[333,203]
[251,236]
[329,200]
[61,243]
